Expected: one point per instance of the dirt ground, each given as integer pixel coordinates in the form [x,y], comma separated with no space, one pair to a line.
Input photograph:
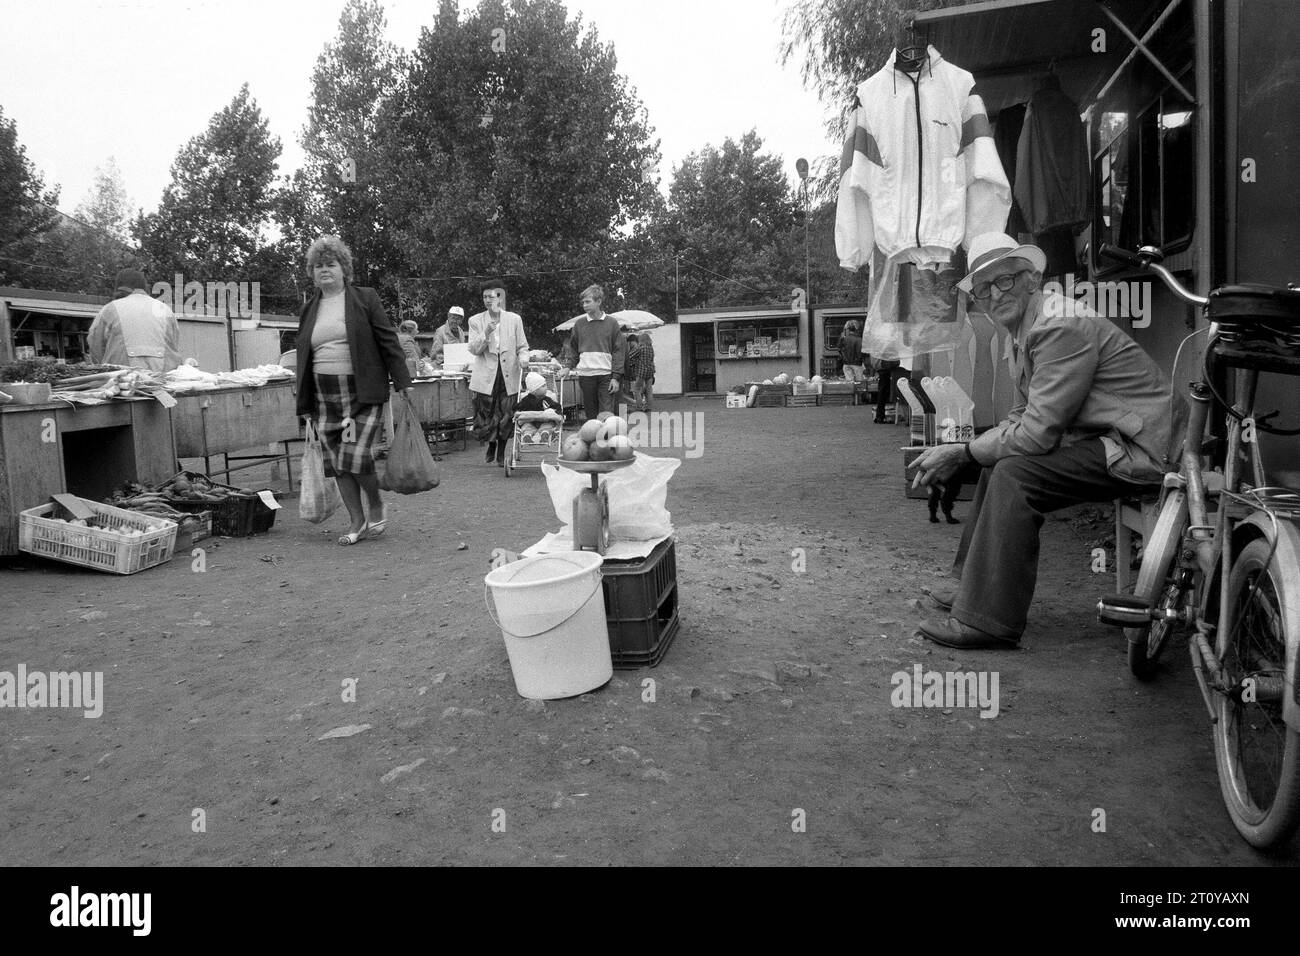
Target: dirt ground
[770,739]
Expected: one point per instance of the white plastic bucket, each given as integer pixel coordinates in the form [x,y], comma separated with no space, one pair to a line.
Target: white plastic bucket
[551,611]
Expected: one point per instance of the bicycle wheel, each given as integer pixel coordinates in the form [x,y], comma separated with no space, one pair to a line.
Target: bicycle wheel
[1258,756]
[1157,584]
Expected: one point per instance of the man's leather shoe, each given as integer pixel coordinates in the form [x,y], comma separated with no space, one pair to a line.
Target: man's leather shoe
[941,598]
[953,633]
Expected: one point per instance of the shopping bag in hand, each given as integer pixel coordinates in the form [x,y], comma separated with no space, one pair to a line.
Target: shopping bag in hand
[319,496]
[410,465]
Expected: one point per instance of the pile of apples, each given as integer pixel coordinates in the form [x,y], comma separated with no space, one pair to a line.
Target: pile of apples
[602,439]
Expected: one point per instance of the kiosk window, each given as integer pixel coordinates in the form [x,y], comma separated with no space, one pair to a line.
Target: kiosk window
[758,338]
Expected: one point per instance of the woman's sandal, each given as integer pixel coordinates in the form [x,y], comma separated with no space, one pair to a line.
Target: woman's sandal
[376,528]
[352,537]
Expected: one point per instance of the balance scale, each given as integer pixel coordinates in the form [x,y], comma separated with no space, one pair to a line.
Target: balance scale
[591,505]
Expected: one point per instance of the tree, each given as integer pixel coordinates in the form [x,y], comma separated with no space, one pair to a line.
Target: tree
[212,220]
[842,42]
[353,78]
[28,215]
[94,240]
[730,219]
[512,146]
[106,206]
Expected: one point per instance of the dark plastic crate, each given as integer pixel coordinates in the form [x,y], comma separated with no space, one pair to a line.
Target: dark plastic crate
[641,606]
[236,517]
[643,642]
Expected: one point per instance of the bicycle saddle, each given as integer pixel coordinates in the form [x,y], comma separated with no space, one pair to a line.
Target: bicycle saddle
[1257,316]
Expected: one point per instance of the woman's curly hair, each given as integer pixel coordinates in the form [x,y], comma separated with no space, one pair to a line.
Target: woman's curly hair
[330,247]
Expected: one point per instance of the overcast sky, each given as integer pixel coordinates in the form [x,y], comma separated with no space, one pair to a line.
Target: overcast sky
[136,79]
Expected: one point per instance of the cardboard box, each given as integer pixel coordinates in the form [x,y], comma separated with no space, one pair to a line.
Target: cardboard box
[736,401]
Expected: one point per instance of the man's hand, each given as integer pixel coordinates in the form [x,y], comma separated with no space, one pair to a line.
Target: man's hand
[613,385]
[936,465]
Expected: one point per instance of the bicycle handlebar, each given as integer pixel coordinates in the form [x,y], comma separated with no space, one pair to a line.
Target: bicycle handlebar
[1148,259]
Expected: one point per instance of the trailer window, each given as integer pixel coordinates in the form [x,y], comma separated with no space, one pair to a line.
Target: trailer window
[1143,176]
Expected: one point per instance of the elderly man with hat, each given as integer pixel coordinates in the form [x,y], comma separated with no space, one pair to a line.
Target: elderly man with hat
[134,329]
[453,330]
[1090,422]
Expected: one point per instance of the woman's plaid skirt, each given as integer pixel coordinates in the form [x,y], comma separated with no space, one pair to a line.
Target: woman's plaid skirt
[348,450]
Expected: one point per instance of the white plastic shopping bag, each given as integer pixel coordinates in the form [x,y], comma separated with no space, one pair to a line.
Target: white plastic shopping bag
[638,496]
[319,496]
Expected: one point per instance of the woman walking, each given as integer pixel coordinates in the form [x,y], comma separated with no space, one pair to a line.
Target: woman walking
[347,353]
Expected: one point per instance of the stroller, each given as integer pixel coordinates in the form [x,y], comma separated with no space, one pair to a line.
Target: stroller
[539,435]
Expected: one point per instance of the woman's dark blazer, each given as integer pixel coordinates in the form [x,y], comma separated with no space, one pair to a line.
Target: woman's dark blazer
[376,354]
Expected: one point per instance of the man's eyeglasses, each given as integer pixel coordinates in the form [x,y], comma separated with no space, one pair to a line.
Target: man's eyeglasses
[1002,283]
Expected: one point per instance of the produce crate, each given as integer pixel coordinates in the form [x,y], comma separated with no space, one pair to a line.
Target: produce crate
[839,388]
[236,517]
[805,388]
[193,529]
[801,401]
[641,606]
[835,398]
[97,547]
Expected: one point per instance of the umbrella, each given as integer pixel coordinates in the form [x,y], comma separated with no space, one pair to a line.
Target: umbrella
[634,319]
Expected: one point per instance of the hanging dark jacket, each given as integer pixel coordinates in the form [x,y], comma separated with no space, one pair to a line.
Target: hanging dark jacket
[1052,176]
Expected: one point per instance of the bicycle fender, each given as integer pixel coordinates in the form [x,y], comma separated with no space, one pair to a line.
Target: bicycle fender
[1287,559]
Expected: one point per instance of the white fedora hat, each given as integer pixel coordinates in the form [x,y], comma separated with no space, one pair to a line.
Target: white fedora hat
[990,248]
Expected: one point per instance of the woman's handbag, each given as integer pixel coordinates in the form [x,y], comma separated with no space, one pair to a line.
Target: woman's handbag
[319,496]
[411,469]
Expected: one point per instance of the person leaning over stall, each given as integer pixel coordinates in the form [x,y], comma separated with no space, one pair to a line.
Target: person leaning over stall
[347,353]
[135,330]
[500,349]
[406,338]
[1090,422]
[453,330]
[595,352]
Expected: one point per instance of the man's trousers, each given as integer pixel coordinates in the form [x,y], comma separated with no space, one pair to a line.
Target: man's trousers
[997,560]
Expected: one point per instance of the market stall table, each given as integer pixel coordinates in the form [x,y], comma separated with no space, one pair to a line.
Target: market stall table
[87,450]
[221,421]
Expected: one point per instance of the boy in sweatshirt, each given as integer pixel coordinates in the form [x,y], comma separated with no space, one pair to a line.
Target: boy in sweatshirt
[596,354]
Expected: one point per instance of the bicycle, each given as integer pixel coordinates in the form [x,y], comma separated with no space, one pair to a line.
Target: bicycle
[1243,626]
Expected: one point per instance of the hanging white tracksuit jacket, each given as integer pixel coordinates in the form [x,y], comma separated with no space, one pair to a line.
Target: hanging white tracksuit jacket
[919,167]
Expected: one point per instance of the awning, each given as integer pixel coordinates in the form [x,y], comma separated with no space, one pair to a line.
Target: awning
[1009,44]
[77,310]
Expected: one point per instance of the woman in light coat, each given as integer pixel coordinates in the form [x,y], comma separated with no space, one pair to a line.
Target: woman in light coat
[500,349]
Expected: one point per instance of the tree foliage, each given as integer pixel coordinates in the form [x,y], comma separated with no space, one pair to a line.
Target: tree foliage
[28,250]
[338,192]
[214,216]
[842,42]
[511,146]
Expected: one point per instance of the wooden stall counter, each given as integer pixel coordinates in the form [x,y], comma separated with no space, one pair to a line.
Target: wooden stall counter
[87,450]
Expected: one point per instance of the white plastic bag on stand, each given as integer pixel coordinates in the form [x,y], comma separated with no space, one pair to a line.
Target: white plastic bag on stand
[638,496]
